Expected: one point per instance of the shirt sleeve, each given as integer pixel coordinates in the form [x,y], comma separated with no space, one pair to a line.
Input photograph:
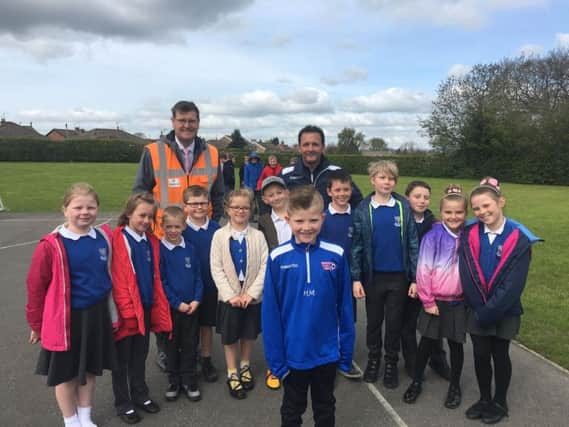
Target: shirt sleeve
[425,268]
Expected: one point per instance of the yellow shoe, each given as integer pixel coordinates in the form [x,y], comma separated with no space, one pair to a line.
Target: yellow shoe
[271,381]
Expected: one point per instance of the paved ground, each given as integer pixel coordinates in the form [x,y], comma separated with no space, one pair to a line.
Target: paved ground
[539,393]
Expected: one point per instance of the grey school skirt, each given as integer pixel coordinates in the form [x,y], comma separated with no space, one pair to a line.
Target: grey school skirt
[507,328]
[450,323]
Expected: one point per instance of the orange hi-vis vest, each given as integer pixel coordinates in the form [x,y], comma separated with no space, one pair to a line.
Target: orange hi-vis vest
[171,178]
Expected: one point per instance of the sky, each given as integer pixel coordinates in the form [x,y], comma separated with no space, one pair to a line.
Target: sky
[264,67]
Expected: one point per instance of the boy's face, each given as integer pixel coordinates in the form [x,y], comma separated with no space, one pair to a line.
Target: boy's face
[383,183]
[340,192]
[173,228]
[305,224]
[275,196]
[195,207]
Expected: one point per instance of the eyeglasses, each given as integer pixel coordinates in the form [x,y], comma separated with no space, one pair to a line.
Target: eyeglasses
[240,208]
[196,204]
[187,121]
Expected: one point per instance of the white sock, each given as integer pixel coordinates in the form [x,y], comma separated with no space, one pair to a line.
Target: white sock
[72,421]
[84,415]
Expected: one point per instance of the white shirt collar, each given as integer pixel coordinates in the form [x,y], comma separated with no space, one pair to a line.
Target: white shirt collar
[170,246]
[452,233]
[497,232]
[390,203]
[239,235]
[275,217]
[68,234]
[197,227]
[134,234]
[182,147]
[335,212]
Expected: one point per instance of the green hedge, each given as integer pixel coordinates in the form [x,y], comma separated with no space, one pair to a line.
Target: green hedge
[38,150]
[538,164]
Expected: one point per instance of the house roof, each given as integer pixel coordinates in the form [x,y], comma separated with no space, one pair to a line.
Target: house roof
[14,130]
[101,133]
[66,133]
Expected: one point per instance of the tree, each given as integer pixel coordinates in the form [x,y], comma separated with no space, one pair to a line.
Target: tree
[377,144]
[237,141]
[350,141]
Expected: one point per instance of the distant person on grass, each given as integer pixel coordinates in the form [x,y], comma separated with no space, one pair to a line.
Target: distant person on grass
[312,167]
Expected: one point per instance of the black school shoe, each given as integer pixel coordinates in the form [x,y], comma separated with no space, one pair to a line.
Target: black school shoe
[494,413]
[192,392]
[371,373]
[235,387]
[454,397]
[391,375]
[413,392]
[208,370]
[476,410]
[149,406]
[130,417]
[172,392]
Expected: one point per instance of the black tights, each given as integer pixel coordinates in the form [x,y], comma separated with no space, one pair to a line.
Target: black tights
[425,350]
[486,349]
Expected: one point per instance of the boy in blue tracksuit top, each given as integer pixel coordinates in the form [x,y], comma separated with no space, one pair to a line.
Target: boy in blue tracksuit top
[307,314]
[181,278]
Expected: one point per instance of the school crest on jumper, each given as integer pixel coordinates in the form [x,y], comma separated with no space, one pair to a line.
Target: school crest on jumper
[397,221]
[103,254]
[148,256]
[188,262]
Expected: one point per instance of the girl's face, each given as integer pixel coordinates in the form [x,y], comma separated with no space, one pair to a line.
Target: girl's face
[272,161]
[141,217]
[238,210]
[488,210]
[453,214]
[81,213]
[419,199]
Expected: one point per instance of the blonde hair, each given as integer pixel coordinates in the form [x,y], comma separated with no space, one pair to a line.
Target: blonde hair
[79,189]
[453,192]
[304,197]
[173,212]
[241,192]
[388,167]
[195,191]
[132,203]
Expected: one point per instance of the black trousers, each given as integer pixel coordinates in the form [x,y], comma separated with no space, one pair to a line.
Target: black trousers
[409,335]
[295,399]
[385,298]
[129,379]
[182,348]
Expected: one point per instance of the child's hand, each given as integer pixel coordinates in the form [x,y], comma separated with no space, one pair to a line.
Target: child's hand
[34,337]
[434,310]
[412,290]
[246,300]
[192,307]
[235,301]
[358,290]
[183,307]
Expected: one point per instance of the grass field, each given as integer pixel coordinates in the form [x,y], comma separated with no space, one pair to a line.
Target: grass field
[38,187]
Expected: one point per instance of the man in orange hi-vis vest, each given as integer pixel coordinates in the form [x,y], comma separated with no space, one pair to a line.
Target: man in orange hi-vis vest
[168,166]
[180,159]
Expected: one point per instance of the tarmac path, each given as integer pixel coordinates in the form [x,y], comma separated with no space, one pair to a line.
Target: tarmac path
[539,392]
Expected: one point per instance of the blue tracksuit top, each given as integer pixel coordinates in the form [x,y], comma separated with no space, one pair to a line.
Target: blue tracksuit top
[307,313]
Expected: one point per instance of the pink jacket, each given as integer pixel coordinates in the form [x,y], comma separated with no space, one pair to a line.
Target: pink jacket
[48,309]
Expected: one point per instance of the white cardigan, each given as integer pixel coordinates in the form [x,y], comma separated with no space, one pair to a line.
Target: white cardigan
[223,270]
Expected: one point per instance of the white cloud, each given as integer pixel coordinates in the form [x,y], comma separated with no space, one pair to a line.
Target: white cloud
[530,50]
[281,40]
[459,70]
[349,75]
[454,13]
[562,40]
[391,100]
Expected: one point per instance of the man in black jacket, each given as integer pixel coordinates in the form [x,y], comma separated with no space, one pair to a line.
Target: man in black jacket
[312,167]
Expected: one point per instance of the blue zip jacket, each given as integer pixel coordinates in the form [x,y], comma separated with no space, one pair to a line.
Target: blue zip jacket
[307,314]
[252,174]
[180,274]
[361,257]
[500,297]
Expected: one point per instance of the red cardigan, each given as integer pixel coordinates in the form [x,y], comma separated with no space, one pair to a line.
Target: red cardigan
[267,172]
[127,295]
